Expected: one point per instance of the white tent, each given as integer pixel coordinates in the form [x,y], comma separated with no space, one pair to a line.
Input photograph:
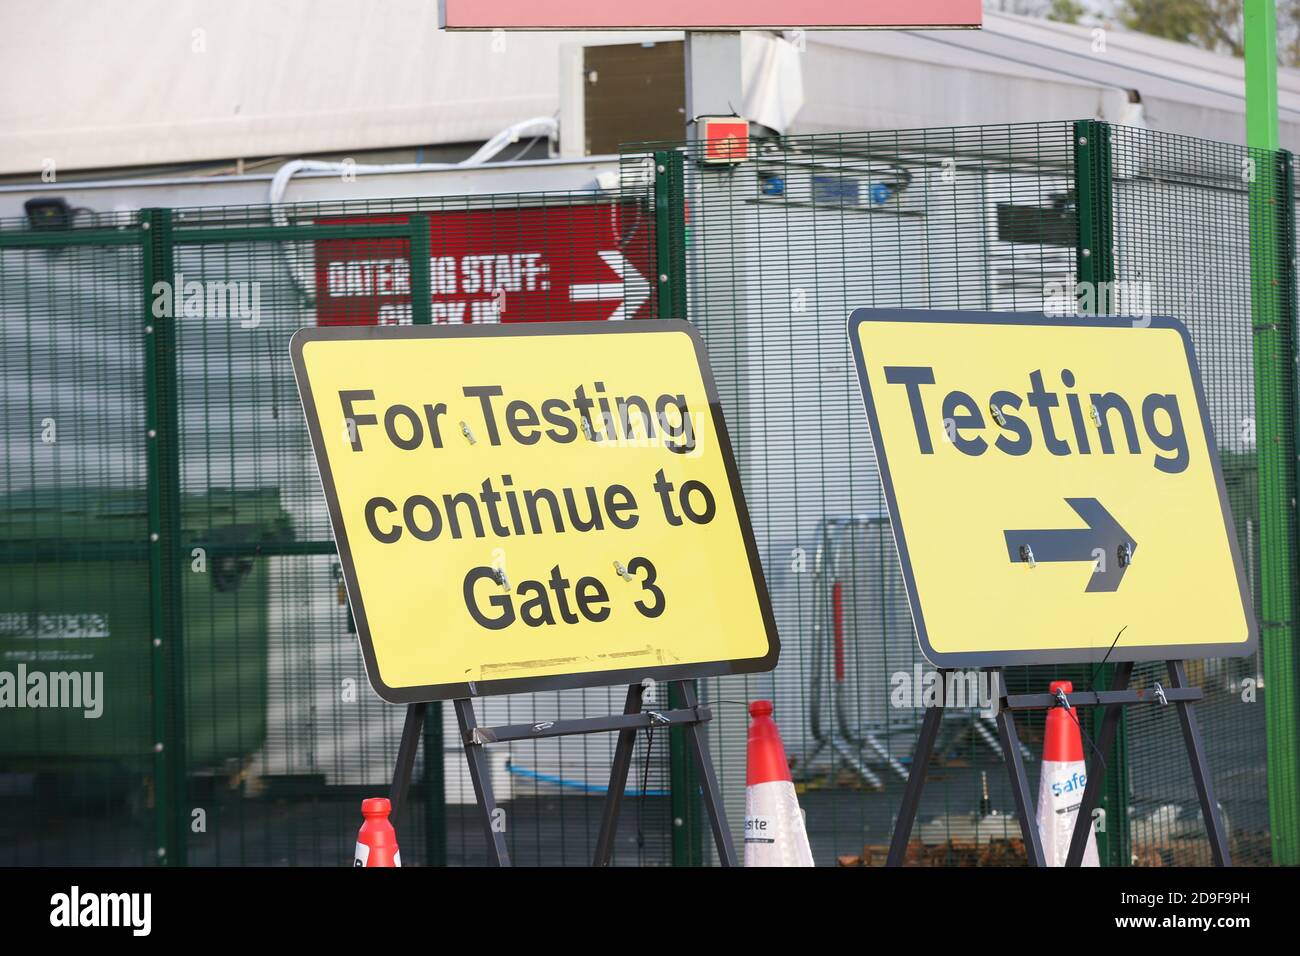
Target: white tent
[157,82]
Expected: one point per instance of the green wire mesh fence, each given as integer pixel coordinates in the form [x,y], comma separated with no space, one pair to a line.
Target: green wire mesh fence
[161,520]
[163,525]
[780,248]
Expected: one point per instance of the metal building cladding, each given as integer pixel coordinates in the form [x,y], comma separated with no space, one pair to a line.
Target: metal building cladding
[173,535]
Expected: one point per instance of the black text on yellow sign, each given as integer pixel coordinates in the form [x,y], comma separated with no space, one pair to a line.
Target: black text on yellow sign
[533,506]
[1052,483]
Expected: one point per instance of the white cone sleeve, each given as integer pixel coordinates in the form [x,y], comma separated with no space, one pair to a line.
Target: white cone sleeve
[1060,791]
[774,829]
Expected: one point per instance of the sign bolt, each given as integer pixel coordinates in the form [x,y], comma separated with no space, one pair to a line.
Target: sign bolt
[469,435]
[622,570]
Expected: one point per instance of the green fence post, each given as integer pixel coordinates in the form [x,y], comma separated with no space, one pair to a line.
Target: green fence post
[1095,256]
[1272,248]
[421,276]
[670,288]
[685,801]
[1096,250]
[435,791]
[670,235]
[162,457]
[1282,709]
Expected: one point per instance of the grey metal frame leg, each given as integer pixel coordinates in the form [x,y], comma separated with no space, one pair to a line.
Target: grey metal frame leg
[480,774]
[699,748]
[1200,770]
[915,783]
[1097,776]
[1020,787]
[411,731]
[617,781]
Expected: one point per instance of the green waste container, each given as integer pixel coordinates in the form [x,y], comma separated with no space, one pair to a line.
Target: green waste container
[75,598]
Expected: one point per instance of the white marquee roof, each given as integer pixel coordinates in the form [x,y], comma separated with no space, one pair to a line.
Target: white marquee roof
[155,82]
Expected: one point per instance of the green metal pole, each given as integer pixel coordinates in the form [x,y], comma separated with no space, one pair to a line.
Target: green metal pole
[1261,74]
[165,532]
[1273,318]
[670,287]
[670,234]
[1096,267]
[685,801]
[435,790]
[421,278]
[149,275]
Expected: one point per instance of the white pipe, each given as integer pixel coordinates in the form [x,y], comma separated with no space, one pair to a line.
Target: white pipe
[538,126]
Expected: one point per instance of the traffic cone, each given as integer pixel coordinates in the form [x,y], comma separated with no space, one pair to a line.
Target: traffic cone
[775,834]
[1060,787]
[377,841]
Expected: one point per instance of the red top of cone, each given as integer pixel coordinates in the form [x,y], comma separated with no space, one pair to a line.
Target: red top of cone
[377,833]
[1061,740]
[766,759]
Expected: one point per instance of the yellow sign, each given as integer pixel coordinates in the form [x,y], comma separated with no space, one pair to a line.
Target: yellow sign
[533,506]
[1054,487]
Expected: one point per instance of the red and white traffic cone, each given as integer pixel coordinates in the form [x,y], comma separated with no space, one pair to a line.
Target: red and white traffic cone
[775,834]
[1060,788]
[377,841]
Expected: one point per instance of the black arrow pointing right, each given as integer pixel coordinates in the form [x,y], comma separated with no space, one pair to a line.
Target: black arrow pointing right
[1103,538]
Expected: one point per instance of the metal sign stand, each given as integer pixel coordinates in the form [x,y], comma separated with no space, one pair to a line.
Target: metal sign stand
[690,718]
[1178,694]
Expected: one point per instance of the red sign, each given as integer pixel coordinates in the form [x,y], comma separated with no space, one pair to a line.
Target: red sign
[712,15]
[531,264]
[725,140]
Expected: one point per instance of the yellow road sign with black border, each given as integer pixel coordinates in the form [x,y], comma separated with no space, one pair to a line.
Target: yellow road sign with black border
[1054,487]
[533,506]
